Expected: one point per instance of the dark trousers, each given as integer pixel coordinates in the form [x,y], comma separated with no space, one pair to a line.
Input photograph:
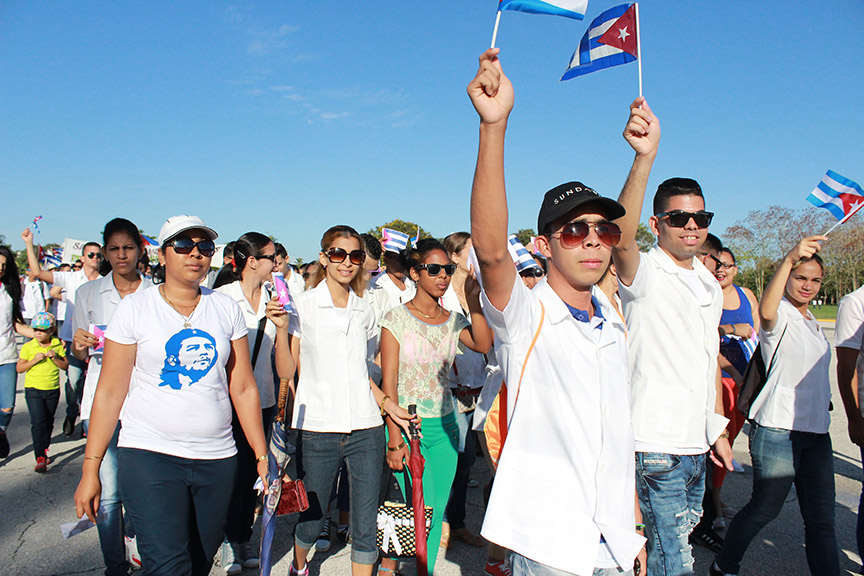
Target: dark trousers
[178,507]
[454,514]
[42,405]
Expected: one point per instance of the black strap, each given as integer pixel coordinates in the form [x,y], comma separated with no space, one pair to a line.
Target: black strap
[259,336]
[776,348]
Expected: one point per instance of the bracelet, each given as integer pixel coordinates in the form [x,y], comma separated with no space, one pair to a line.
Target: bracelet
[725,434]
[381,406]
[261,458]
[396,448]
[640,527]
[93,458]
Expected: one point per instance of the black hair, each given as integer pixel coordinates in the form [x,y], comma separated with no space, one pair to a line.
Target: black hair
[96,244]
[725,250]
[12,283]
[675,187]
[373,246]
[541,261]
[248,245]
[280,250]
[228,250]
[118,226]
[414,257]
[455,242]
[712,243]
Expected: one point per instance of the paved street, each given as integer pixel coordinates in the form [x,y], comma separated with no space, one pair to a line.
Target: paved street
[32,507]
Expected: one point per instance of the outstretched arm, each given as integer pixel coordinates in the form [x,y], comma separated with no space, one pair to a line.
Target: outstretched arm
[492,96]
[32,261]
[643,134]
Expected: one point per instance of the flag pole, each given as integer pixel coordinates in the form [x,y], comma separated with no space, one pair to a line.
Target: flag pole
[495,31]
[638,47]
[845,218]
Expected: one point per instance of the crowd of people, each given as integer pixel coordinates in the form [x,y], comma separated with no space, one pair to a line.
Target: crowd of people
[622,369]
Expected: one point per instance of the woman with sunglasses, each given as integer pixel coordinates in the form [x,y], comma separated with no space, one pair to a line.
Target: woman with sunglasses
[95,303]
[419,341]
[267,325]
[337,408]
[188,348]
[789,440]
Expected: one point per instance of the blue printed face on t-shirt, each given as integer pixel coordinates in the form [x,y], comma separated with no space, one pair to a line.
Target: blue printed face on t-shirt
[189,355]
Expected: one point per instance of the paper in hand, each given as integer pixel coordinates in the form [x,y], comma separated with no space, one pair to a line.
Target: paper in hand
[70,529]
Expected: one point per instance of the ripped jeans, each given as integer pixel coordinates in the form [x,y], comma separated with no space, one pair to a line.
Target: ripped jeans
[670,489]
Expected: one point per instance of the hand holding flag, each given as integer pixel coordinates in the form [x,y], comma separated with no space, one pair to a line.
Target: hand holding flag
[643,129]
[490,91]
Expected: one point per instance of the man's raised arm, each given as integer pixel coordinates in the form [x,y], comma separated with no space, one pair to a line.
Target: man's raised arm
[643,134]
[492,96]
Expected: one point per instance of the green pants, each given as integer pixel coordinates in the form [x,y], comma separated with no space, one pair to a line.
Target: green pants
[439,447]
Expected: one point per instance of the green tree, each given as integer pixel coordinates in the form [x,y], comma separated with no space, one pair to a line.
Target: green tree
[645,239]
[524,236]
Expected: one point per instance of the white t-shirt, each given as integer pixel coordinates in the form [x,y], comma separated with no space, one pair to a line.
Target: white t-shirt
[263,368]
[178,402]
[69,282]
[296,284]
[469,367]
[849,331]
[97,301]
[798,389]
[33,296]
[8,348]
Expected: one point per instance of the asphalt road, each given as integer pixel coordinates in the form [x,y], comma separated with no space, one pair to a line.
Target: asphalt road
[32,506]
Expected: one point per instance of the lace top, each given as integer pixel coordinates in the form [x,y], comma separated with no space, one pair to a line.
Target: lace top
[426,353]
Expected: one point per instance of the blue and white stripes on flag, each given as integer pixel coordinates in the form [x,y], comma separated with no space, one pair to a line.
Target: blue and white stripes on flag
[609,41]
[568,8]
[840,196]
[521,257]
[393,240]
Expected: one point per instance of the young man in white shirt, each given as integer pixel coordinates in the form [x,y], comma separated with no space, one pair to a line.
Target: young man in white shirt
[69,282]
[672,305]
[564,498]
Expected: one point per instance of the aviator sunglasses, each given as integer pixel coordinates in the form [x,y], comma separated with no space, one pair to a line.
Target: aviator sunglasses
[680,218]
[574,233]
[338,255]
[435,269]
[184,245]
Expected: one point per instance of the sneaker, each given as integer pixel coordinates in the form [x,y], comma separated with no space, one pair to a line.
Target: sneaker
[4,444]
[714,570]
[343,533]
[68,426]
[226,559]
[132,555]
[323,542]
[498,568]
[708,539]
[41,464]
[248,555]
[292,571]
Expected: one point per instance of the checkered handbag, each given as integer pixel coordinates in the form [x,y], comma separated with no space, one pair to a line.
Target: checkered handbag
[395,535]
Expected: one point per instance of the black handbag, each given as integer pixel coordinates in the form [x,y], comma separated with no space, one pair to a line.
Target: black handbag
[755,377]
[395,532]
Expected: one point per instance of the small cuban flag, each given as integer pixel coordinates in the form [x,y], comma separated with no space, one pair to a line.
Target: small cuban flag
[568,8]
[840,196]
[612,39]
[283,294]
[521,257]
[393,240]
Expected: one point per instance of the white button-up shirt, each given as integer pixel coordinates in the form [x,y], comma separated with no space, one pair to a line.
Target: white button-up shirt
[384,295]
[566,473]
[849,331]
[798,391]
[95,304]
[674,345]
[336,347]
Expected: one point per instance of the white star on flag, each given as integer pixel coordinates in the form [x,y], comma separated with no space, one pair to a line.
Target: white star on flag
[622,33]
[282,293]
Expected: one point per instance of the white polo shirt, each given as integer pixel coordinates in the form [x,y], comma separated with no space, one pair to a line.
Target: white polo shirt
[96,301]
[566,474]
[674,345]
[69,282]
[336,347]
[33,296]
[798,391]
[849,331]
[384,295]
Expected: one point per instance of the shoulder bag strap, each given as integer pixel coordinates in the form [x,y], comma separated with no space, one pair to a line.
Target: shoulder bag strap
[259,335]
[773,356]
[528,355]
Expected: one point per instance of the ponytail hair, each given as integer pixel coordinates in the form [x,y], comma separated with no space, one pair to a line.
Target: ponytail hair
[330,236]
[248,245]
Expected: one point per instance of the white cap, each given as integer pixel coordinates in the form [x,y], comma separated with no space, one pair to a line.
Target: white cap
[177,224]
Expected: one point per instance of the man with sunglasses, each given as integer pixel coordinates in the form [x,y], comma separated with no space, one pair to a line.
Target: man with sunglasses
[69,282]
[672,305]
[564,497]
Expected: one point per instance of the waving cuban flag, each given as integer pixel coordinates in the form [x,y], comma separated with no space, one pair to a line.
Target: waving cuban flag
[611,40]
[520,255]
[840,196]
[568,8]
[393,240]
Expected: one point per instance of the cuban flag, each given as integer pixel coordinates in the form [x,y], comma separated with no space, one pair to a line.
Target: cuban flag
[610,41]
[568,8]
[415,238]
[393,240]
[521,257]
[283,294]
[840,196]
[149,241]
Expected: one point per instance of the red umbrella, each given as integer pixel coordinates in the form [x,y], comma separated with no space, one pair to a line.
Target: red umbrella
[416,463]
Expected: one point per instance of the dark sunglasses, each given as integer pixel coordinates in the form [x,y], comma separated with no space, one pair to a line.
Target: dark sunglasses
[96,255]
[721,265]
[574,233]
[270,257]
[680,218]
[338,255]
[375,272]
[184,245]
[435,269]
[532,273]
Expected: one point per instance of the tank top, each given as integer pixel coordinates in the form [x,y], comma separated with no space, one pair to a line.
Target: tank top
[733,348]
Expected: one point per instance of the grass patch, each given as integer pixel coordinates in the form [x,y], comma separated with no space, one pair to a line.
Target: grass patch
[826,312]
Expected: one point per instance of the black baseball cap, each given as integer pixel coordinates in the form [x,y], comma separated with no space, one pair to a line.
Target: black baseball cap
[567,197]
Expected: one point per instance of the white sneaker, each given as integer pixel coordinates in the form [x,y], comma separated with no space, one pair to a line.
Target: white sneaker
[226,559]
[132,555]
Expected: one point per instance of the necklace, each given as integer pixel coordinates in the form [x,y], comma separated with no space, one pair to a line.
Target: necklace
[440,311]
[186,323]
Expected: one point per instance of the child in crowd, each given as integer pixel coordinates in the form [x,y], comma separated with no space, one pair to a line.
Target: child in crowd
[42,359]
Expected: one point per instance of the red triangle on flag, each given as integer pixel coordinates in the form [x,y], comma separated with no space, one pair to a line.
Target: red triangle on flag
[622,33]
[850,202]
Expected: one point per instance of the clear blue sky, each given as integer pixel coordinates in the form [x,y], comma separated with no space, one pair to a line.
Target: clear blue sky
[289,117]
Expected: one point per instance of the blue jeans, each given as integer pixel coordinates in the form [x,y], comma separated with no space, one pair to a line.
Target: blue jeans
[8,383]
[522,566]
[178,508]
[111,529]
[74,390]
[670,489]
[781,457]
[319,455]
